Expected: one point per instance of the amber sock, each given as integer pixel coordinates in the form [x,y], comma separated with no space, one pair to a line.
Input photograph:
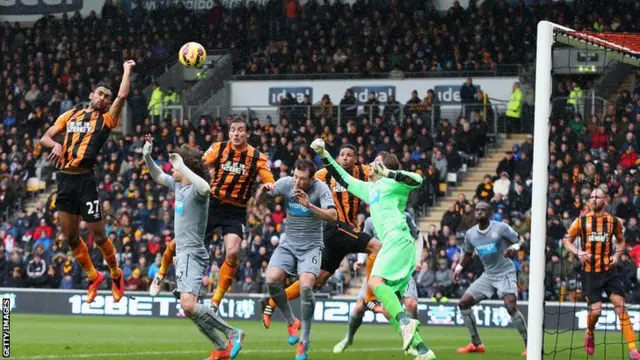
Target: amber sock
[369,296]
[82,255]
[167,259]
[227,274]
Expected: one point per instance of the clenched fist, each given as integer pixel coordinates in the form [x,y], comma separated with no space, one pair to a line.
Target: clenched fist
[318,146]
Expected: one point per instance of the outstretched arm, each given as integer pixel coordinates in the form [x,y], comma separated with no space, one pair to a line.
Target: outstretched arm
[154,170]
[202,188]
[407,178]
[356,187]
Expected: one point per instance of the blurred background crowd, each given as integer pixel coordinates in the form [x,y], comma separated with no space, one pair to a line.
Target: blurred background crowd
[45,70]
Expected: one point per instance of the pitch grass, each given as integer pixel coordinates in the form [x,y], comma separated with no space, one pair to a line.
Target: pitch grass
[84,337]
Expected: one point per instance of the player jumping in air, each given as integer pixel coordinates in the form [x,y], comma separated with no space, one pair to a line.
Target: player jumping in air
[599,255]
[387,193]
[236,166]
[192,258]
[410,295]
[85,132]
[495,243]
[341,238]
[309,203]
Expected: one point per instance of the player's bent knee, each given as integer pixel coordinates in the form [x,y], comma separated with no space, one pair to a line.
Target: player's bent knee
[188,304]
[359,307]
[274,275]
[374,282]
[374,246]
[466,302]
[232,245]
[307,280]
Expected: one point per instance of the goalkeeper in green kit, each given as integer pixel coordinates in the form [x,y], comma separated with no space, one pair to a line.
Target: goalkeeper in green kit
[386,193]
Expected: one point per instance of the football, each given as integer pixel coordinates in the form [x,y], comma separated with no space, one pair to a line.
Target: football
[192,55]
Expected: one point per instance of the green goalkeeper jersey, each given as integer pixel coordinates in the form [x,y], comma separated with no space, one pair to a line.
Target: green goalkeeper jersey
[386,197]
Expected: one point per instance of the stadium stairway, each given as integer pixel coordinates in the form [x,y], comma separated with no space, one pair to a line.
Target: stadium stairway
[468,185]
[31,203]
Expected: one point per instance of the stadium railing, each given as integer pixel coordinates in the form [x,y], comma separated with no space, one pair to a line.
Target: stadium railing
[340,114]
[500,70]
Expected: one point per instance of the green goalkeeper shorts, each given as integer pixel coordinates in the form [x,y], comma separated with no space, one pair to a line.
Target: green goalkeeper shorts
[395,263]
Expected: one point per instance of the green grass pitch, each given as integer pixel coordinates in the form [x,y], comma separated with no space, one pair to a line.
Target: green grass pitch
[83,337]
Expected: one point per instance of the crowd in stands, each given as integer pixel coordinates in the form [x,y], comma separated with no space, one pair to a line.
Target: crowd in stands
[45,71]
[585,154]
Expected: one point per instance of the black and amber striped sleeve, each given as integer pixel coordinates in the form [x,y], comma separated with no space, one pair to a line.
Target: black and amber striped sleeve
[322,175]
[61,122]
[265,174]
[210,156]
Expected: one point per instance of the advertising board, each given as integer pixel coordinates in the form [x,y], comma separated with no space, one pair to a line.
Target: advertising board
[268,93]
[491,314]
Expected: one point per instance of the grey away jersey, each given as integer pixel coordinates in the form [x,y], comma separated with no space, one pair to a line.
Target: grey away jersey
[370,230]
[190,217]
[491,245]
[303,230]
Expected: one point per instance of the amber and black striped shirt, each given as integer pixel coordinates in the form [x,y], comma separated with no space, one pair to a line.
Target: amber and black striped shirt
[348,204]
[235,171]
[85,132]
[596,234]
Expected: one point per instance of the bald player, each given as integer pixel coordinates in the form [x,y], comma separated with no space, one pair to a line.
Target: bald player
[599,254]
[495,243]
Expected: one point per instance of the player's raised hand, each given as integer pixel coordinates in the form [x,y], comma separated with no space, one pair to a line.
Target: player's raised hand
[379,169]
[148,145]
[302,197]
[55,156]
[318,146]
[129,64]
[176,160]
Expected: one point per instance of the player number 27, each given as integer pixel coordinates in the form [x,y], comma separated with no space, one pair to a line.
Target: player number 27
[94,206]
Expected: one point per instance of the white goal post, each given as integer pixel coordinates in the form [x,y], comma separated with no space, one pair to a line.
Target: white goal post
[548,34]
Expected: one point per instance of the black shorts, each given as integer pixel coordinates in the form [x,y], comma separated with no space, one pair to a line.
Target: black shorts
[595,283]
[78,195]
[340,241]
[229,218]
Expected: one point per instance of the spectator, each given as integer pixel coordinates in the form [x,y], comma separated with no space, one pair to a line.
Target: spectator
[425,280]
[443,278]
[36,271]
[523,281]
[502,185]
[484,191]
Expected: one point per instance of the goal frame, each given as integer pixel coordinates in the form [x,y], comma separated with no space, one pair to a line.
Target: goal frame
[547,34]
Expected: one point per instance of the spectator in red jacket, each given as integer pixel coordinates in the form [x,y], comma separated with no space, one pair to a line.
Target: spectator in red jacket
[629,158]
[599,138]
[634,255]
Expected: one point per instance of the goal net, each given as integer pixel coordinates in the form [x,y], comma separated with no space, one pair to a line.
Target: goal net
[570,160]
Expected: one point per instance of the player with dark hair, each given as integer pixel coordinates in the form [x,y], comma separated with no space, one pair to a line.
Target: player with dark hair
[188,180]
[85,132]
[236,166]
[599,255]
[309,203]
[341,238]
[495,243]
